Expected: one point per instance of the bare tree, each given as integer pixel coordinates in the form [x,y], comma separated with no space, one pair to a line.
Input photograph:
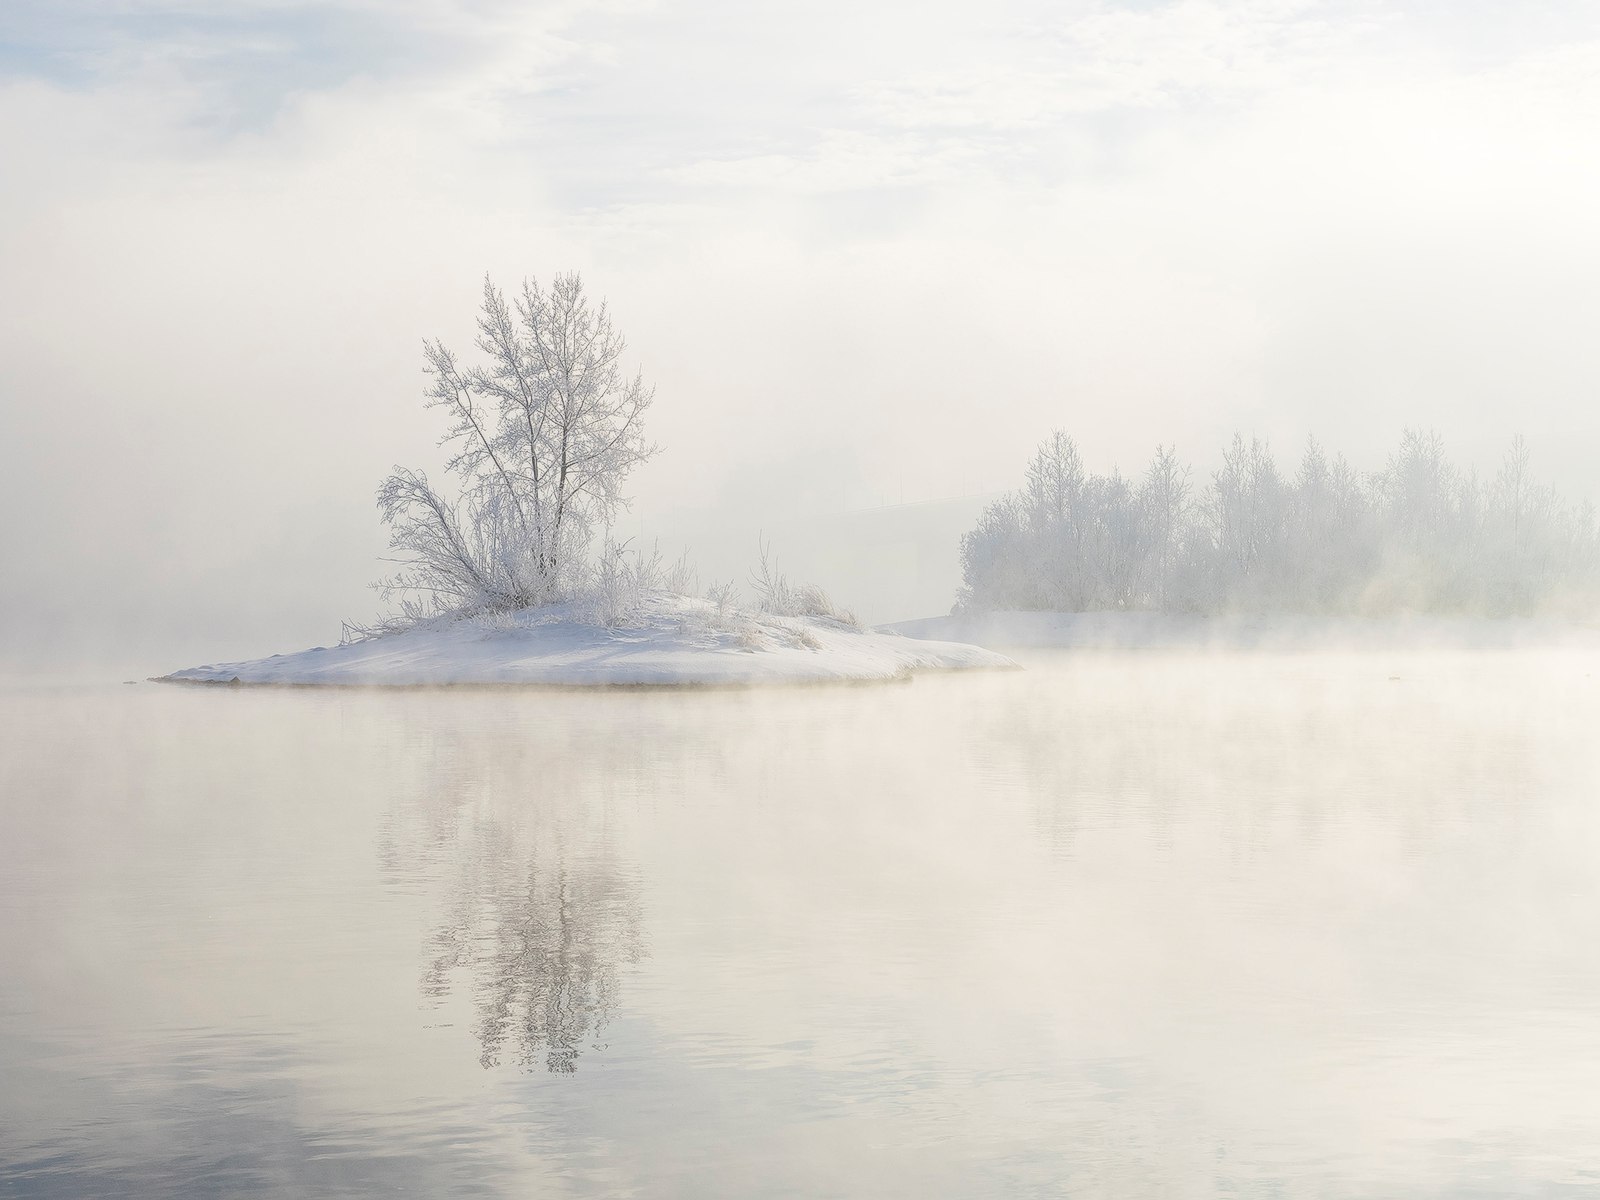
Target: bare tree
[543,433]
[1165,496]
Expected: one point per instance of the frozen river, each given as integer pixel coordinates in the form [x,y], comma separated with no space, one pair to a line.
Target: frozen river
[1123,925]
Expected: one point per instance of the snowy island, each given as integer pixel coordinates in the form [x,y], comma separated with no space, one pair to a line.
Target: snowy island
[668,640]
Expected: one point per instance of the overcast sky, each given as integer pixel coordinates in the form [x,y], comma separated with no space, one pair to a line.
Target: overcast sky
[865,251]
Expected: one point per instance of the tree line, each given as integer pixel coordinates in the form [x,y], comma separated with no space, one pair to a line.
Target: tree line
[1419,535]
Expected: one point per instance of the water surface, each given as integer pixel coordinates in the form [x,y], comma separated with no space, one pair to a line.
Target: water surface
[1122,925]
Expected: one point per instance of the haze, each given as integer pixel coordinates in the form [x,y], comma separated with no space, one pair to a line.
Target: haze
[869,255]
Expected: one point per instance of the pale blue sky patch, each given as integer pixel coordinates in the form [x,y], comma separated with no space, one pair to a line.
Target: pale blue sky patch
[241,63]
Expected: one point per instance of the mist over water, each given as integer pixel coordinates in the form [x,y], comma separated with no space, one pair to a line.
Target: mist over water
[1177,923]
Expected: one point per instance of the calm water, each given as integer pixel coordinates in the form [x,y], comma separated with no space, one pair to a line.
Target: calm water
[1122,926]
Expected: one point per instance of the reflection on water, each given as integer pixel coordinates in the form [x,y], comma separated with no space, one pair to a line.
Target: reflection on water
[541,913]
[539,933]
[1260,925]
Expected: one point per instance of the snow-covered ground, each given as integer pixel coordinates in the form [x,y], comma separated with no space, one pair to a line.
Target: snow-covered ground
[670,640]
[1144,630]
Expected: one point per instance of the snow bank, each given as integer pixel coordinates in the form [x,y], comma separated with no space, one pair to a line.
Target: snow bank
[1145,630]
[672,640]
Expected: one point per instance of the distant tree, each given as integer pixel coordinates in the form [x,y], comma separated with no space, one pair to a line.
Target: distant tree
[1332,536]
[1514,485]
[1052,510]
[996,563]
[1429,510]
[1164,498]
[543,432]
[1116,542]
[1246,509]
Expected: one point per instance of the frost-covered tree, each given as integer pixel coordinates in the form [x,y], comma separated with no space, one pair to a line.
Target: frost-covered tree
[543,431]
[1052,503]
[1068,540]
[1331,537]
[997,564]
[1164,500]
[1245,504]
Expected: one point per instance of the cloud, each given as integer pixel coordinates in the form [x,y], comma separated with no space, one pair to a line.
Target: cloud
[1111,58]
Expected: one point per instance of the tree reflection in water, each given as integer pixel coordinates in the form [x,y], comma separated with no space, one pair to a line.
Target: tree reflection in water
[542,912]
[542,936]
